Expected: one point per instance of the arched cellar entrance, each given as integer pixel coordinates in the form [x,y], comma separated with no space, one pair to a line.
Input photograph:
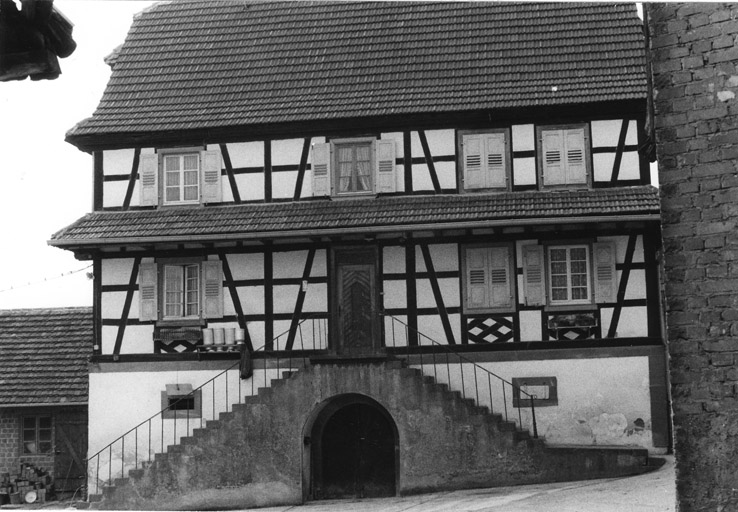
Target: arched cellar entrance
[354,447]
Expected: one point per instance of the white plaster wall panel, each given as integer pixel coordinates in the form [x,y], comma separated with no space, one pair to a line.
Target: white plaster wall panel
[399,153]
[320,264]
[136,195]
[633,322]
[316,298]
[111,305]
[289,264]
[605,320]
[252,300]
[251,186]
[395,294]
[287,151]
[283,184]
[450,291]
[521,289]
[285,298]
[311,334]
[530,326]
[421,177]
[281,333]
[523,137]
[393,260]
[602,164]
[108,334]
[431,330]
[621,246]
[636,288]
[118,161]
[138,339]
[446,172]
[630,166]
[441,142]
[445,257]
[606,133]
[631,139]
[256,331]
[114,193]
[246,154]
[424,292]
[246,266]
[599,400]
[524,171]
[116,271]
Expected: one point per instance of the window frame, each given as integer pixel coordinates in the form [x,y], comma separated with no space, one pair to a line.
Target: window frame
[163,154]
[184,320]
[461,163]
[587,157]
[181,414]
[511,279]
[37,435]
[335,178]
[569,302]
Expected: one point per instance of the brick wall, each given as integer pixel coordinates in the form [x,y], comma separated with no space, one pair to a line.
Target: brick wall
[694,55]
[9,439]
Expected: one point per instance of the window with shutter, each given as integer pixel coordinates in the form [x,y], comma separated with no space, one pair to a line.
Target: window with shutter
[564,155]
[569,280]
[484,160]
[180,177]
[487,284]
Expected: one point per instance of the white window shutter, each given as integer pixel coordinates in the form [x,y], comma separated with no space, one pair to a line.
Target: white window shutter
[605,272]
[321,166]
[148,308]
[554,170]
[148,173]
[212,191]
[212,285]
[533,277]
[473,160]
[477,278]
[385,162]
[495,160]
[501,295]
[576,166]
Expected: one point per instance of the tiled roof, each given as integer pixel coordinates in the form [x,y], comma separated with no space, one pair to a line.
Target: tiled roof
[43,355]
[391,213]
[199,65]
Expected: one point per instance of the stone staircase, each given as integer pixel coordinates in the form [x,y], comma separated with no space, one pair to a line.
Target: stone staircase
[256,454]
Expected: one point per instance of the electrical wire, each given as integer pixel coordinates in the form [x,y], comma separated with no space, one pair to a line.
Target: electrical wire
[45,280]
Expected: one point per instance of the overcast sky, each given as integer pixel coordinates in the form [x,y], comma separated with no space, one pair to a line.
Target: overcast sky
[47,183]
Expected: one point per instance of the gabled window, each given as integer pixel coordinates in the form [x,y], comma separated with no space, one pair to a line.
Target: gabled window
[488,278]
[569,275]
[180,291]
[36,435]
[349,167]
[180,177]
[485,161]
[563,155]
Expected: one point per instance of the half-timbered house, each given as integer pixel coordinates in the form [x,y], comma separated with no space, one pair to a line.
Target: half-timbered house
[347,189]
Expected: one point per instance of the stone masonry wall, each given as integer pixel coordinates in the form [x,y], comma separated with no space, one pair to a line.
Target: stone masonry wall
[694,55]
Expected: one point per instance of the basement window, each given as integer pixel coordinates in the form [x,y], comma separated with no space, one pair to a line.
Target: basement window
[179,401]
[543,390]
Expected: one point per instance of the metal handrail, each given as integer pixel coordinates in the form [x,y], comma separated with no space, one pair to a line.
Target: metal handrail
[449,350]
[121,440]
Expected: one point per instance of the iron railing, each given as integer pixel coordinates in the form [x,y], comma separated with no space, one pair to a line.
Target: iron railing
[462,374]
[136,447]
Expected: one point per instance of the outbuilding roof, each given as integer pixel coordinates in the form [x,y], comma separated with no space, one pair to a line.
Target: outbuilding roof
[369,215]
[43,356]
[199,65]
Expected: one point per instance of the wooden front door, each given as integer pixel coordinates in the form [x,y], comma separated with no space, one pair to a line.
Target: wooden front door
[71,448]
[356,303]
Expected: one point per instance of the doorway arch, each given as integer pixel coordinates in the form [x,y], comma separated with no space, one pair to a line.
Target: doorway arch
[353,449]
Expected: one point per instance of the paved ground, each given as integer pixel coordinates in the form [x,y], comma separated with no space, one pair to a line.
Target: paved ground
[645,493]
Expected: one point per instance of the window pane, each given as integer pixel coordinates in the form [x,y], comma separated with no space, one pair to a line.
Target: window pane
[559,294]
[44,434]
[181,403]
[192,290]
[29,422]
[558,254]
[173,290]
[44,422]
[171,163]
[44,447]
[191,162]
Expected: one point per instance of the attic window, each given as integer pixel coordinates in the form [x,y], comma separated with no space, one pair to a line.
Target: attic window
[564,155]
